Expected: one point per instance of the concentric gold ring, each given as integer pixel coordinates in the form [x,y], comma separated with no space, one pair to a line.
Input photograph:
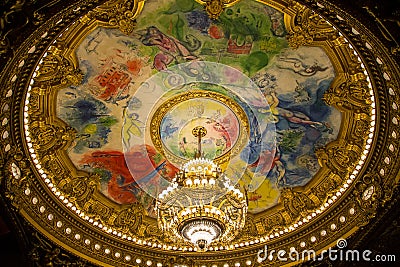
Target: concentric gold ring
[167,106]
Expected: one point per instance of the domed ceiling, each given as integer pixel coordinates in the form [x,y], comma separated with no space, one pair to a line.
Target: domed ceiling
[294,101]
[244,56]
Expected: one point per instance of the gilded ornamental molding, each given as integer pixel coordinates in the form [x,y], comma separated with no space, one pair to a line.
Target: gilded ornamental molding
[358,170]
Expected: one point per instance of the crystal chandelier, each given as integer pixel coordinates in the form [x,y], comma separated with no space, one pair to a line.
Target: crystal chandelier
[201,206]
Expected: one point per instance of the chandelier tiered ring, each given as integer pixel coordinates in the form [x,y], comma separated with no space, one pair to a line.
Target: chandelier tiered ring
[201,206]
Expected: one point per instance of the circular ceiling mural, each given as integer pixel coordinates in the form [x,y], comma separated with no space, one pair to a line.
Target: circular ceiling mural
[218,141]
[287,100]
[286,90]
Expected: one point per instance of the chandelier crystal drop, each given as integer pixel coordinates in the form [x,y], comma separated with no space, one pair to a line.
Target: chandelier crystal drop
[201,206]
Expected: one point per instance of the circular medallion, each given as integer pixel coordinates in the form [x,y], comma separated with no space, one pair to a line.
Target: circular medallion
[96,128]
[225,121]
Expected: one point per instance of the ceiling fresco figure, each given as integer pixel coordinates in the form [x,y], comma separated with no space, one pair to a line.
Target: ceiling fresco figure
[170,48]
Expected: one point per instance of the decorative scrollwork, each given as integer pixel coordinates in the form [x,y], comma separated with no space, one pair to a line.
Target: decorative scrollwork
[18,174]
[12,19]
[249,230]
[79,189]
[361,126]
[101,211]
[327,185]
[129,219]
[370,194]
[153,232]
[51,138]
[118,14]
[56,70]
[350,95]
[50,162]
[338,158]
[214,8]
[296,203]
[276,222]
[308,27]
[15,183]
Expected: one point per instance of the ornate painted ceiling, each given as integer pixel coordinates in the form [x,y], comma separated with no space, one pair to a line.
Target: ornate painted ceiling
[299,100]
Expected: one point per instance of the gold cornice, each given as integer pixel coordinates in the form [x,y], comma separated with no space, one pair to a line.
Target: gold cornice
[384,173]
